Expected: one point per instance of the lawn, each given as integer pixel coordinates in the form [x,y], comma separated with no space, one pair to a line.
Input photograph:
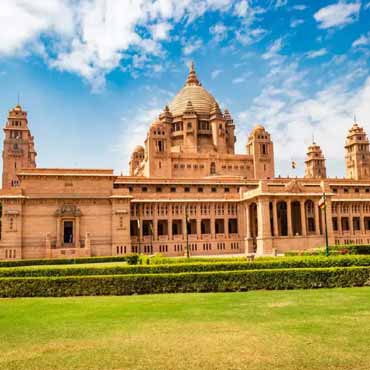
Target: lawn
[299,329]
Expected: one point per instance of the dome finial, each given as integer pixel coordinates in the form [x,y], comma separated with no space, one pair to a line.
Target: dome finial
[192,76]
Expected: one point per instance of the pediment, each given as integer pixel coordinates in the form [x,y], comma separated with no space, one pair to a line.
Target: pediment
[294,186]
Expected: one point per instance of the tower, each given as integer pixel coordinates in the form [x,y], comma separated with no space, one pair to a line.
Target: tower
[260,146]
[18,150]
[315,163]
[357,154]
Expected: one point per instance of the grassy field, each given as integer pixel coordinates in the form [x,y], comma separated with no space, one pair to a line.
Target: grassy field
[301,329]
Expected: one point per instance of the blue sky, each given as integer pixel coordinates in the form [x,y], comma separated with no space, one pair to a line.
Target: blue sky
[93,74]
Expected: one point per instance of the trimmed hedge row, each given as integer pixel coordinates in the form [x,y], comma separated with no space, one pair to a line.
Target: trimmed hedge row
[278,263]
[186,282]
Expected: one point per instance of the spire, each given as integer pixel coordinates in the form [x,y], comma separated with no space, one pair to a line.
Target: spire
[216,110]
[192,77]
[166,115]
[227,116]
[189,107]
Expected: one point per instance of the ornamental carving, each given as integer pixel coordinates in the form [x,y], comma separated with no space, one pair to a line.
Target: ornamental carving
[294,187]
[68,210]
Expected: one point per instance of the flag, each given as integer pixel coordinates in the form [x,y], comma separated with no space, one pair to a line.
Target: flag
[294,164]
[322,202]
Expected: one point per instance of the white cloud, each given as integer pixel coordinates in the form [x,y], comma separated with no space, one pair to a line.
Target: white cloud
[293,104]
[219,31]
[296,22]
[273,50]
[215,73]
[280,3]
[241,8]
[367,6]
[161,30]
[192,46]
[363,40]
[337,15]
[93,37]
[316,53]
[299,7]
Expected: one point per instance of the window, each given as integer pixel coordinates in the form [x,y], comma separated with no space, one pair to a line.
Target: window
[227,190]
[335,224]
[213,168]
[233,226]
[176,227]
[158,189]
[346,190]
[219,226]
[200,190]
[130,189]
[144,189]
[147,227]
[335,190]
[214,190]
[205,226]
[187,189]
[68,232]
[173,189]
[357,190]
[134,228]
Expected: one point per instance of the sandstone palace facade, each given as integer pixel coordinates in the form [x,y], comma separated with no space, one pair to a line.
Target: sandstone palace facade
[187,189]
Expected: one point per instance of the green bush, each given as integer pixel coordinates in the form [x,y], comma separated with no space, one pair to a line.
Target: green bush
[219,281]
[61,261]
[132,259]
[362,249]
[260,264]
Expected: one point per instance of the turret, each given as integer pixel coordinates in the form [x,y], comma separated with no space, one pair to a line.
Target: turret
[261,148]
[357,154]
[218,127]
[230,132]
[19,148]
[315,163]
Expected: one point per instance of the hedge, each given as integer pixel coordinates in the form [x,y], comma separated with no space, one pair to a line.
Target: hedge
[230,281]
[130,258]
[277,263]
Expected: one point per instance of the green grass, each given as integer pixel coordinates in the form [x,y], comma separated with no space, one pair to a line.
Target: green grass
[301,329]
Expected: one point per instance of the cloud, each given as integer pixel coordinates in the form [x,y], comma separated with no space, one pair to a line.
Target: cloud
[296,22]
[363,40]
[299,7]
[215,73]
[273,50]
[219,31]
[192,46]
[293,104]
[337,15]
[316,53]
[93,37]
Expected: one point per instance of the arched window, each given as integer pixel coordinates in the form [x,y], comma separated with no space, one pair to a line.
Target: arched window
[213,168]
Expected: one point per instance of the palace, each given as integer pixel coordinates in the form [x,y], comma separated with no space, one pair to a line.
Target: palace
[187,191]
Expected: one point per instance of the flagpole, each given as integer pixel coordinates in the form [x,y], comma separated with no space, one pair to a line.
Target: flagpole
[326,229]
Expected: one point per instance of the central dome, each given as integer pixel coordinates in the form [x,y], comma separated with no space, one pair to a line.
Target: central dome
[193,91]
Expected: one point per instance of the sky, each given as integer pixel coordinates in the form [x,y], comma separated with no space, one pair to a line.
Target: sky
[93,74]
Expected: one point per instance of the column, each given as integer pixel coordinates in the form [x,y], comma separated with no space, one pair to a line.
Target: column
[247,221]
[58,245]
[77,233]
[212,218]
[155,221]
[275,218]
[362,220]
[289,217]
[264,240]
[303,218]
[317,218]
[339,218]
[350,218]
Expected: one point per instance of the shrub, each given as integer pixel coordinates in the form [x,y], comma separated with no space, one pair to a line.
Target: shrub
[185,282]
[132,259]
[61,261]
[261,264]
